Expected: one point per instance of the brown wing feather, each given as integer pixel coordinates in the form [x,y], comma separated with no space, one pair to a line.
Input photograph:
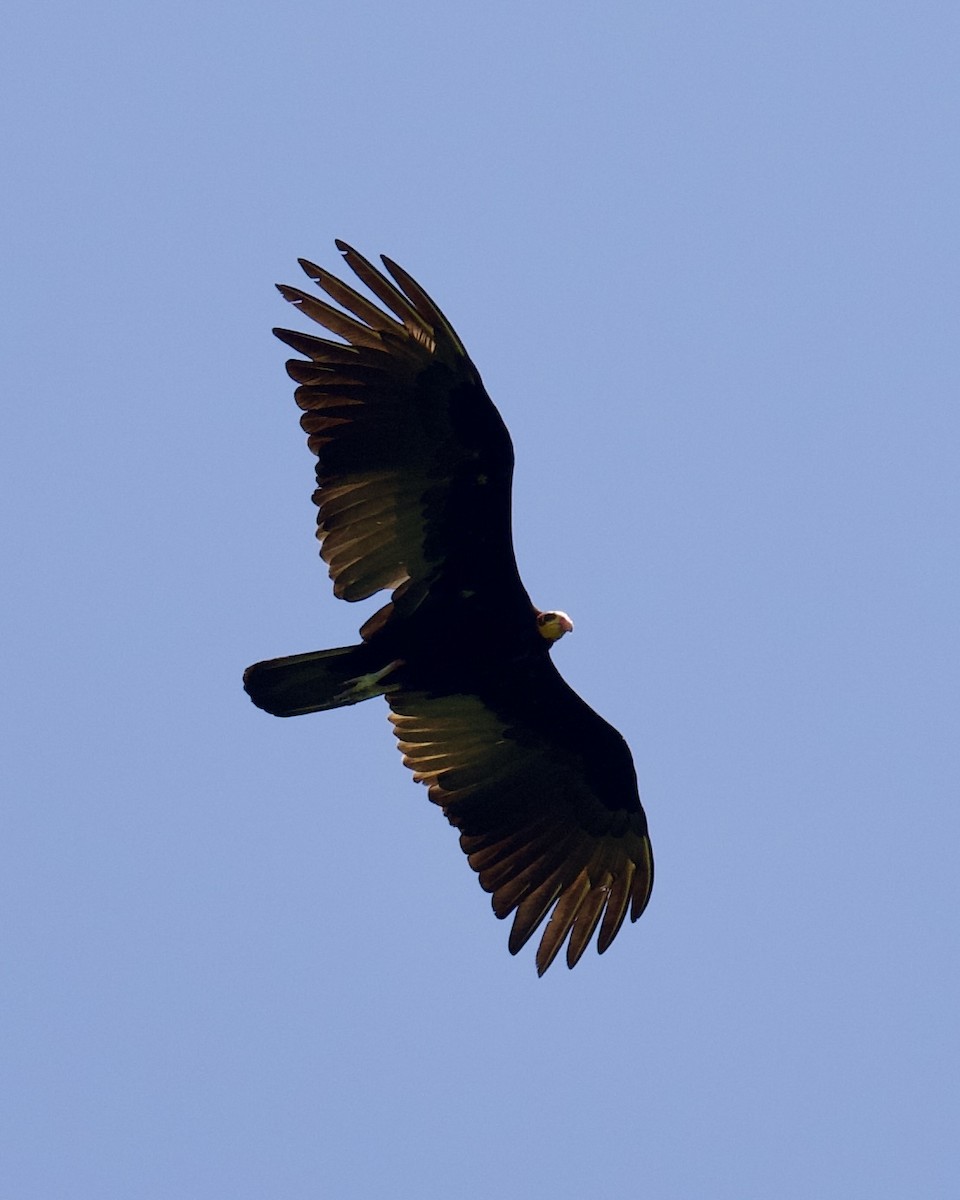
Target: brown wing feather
[545,798]
[414,463]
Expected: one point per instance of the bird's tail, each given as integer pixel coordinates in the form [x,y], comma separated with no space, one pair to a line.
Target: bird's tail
[304,683]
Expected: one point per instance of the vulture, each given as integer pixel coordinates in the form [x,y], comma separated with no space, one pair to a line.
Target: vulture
[413,493]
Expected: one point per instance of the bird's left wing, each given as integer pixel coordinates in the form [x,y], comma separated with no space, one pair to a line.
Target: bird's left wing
[544,794]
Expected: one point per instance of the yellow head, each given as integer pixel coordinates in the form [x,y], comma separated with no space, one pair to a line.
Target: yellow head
[553,625]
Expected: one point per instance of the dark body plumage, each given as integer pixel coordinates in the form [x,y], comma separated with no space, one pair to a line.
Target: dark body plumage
[414,477]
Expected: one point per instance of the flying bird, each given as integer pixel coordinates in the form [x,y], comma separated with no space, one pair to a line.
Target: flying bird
[414,478]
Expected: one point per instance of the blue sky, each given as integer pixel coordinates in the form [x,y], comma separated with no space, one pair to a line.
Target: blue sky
[706,259]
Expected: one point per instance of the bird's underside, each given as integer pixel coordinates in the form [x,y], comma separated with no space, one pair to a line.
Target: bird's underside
[413,493]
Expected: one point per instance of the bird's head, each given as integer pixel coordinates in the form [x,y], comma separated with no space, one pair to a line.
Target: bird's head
[553,625]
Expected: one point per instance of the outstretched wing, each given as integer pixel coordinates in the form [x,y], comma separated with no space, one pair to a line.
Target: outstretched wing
[545,796]
[415,464]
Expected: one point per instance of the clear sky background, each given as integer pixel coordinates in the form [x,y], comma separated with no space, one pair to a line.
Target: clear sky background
[706,259]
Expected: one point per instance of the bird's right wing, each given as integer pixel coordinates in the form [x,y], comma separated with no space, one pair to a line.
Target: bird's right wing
[414,462]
